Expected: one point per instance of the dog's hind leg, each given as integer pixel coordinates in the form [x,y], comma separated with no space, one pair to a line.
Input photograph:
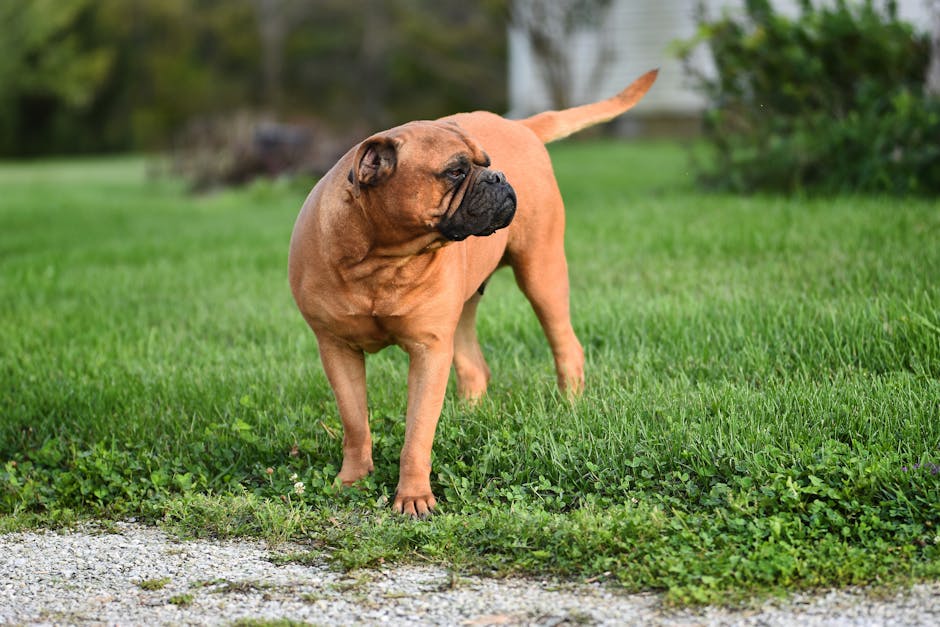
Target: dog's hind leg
[472,372]
[544,281]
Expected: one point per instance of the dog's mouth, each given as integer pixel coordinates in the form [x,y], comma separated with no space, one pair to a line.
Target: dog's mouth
[488,206]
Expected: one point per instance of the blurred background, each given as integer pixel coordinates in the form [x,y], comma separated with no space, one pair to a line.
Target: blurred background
[234,89]
[116,75]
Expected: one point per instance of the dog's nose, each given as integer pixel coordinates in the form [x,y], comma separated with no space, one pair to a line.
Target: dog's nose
[494,177]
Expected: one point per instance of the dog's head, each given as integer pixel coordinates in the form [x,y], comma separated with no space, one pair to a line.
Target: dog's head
[426,177]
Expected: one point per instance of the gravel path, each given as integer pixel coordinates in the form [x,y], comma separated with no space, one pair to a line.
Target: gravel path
[88,577]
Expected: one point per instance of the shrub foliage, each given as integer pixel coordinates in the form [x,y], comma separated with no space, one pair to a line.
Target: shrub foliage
[832,100]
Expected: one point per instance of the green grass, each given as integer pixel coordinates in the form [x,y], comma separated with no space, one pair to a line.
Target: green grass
[762,410]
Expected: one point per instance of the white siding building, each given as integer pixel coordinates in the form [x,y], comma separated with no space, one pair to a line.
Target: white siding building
[640,34]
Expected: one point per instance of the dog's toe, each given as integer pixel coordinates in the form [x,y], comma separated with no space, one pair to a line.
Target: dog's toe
[415,506]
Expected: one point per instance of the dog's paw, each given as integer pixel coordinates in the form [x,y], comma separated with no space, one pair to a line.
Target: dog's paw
[415,506]
[353,472]
[471,398]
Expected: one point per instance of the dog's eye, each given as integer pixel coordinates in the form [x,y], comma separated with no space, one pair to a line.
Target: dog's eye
[456,174]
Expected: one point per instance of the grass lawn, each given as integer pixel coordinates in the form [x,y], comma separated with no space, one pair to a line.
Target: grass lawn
[762,410]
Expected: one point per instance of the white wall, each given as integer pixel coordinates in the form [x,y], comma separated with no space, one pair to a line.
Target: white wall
[642,34]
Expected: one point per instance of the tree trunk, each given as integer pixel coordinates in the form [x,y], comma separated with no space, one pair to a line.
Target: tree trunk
[933,72]
[271,28]
[373,64]
[550,27]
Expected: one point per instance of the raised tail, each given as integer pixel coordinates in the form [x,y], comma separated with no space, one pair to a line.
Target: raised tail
[553,125]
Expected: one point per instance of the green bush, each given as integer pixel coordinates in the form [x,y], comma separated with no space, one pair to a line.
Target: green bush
[833,100]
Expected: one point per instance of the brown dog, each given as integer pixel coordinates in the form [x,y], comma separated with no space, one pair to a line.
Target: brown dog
[395,244]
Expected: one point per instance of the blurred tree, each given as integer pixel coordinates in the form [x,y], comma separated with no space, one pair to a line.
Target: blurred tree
[82,75]
[276,19]
[180,59]
[933,73]
[49,71]
[448,57]
[380,62]
[550,27]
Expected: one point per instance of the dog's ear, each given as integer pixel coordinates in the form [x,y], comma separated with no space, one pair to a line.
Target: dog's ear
[374,162]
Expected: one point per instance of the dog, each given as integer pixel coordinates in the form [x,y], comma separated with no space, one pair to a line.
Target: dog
[395,244]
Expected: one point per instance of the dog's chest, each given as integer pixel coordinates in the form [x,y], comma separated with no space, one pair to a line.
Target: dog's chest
[383,306]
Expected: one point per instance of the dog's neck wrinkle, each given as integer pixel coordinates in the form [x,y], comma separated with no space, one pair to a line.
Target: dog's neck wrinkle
[371,258]
[379,274]
[394,249]
[410,249]
[405,259]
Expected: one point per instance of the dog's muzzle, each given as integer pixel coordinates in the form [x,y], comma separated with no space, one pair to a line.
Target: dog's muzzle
[488,206]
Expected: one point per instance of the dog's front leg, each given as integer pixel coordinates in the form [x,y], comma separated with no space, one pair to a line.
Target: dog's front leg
[345,368]
[427,384]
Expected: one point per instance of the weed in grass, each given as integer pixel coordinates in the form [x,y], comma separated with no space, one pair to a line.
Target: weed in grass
[452,583]
[154,584]
[182,599]
[928,467]
[312,597]
[239,587]
[306,558]
[207,583]
[760,372]
[358,583]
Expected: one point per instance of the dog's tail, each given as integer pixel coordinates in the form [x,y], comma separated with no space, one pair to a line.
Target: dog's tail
[553,125]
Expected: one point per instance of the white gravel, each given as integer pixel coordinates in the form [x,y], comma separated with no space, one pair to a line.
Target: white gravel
[89,577]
